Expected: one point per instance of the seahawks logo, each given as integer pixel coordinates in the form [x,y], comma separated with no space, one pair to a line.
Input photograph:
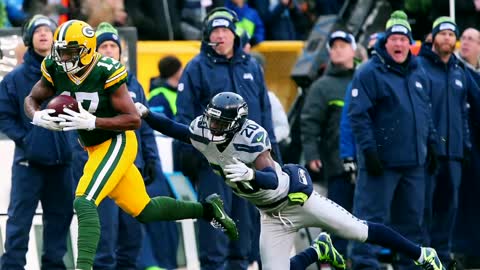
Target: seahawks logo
[88,31]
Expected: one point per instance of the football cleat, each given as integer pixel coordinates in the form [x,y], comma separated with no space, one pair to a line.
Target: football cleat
[430,260]
[327,252]
[220,219]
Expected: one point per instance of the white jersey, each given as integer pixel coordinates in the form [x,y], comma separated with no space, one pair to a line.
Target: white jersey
[246,145]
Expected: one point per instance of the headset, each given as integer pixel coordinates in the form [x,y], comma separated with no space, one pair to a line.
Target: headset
[27,33]
[206,21]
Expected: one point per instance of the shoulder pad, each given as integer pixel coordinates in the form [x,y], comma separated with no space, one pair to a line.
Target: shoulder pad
[115,72]
[198,130]
[48,67]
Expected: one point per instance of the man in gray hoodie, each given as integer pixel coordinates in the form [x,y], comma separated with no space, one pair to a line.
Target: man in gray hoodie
[320,122]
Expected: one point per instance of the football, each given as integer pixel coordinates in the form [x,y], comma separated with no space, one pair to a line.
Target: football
[60,102]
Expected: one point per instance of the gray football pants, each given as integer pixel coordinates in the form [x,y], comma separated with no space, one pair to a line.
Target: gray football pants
[278,228]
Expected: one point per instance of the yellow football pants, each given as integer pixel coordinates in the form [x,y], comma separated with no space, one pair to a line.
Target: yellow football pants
[110,171]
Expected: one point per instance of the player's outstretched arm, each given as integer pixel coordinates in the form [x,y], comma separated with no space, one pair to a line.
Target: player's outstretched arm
[163,124]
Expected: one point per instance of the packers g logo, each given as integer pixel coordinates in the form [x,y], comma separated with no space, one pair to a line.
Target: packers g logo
[88,31]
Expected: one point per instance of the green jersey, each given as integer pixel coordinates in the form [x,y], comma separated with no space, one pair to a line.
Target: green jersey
[93,89]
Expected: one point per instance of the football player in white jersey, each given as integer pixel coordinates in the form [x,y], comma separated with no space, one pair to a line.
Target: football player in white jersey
[239,150]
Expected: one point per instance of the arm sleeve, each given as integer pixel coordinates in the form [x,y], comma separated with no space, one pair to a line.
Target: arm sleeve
[363,98]
[168,127]
[347,142]
[10,118]
[266,178]
[312,121]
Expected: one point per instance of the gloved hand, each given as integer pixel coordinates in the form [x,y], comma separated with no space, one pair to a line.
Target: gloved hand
[238,171]
[149,172]
[44,119]
[350,168]
[432,159]
[77,120]
[142,109]
[372,163]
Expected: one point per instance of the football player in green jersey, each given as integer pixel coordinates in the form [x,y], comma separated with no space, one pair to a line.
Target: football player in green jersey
[105,122]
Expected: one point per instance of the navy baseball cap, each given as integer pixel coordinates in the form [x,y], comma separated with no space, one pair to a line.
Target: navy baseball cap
[345,36]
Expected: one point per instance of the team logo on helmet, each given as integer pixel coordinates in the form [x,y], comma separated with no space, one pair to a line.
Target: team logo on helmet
[88,31]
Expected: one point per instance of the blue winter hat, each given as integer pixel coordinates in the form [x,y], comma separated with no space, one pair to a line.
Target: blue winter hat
[444,23]
[398,24]
[106,32]
[32,24]
[223,17]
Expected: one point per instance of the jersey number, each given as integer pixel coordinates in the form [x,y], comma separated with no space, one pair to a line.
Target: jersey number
[249,129]
[89,100]
[108,66]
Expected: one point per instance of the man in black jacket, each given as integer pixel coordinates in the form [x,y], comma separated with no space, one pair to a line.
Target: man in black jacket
[320,120]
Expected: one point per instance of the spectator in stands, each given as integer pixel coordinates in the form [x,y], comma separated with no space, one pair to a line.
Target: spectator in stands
[450,119]
[348,152]
[392,123]
[42,163]
[469,52]
[221,65]
[466,233]
[155,20]
[320,120]
[248,20]
[163,95]
[95,12]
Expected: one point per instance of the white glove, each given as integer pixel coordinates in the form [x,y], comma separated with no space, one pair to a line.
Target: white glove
[80,120]
[238,171]
[44,119]
[141,109]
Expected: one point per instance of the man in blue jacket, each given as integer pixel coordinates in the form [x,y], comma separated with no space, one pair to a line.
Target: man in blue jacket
[449,105]
[42,163]
[222,65]
[391,120]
